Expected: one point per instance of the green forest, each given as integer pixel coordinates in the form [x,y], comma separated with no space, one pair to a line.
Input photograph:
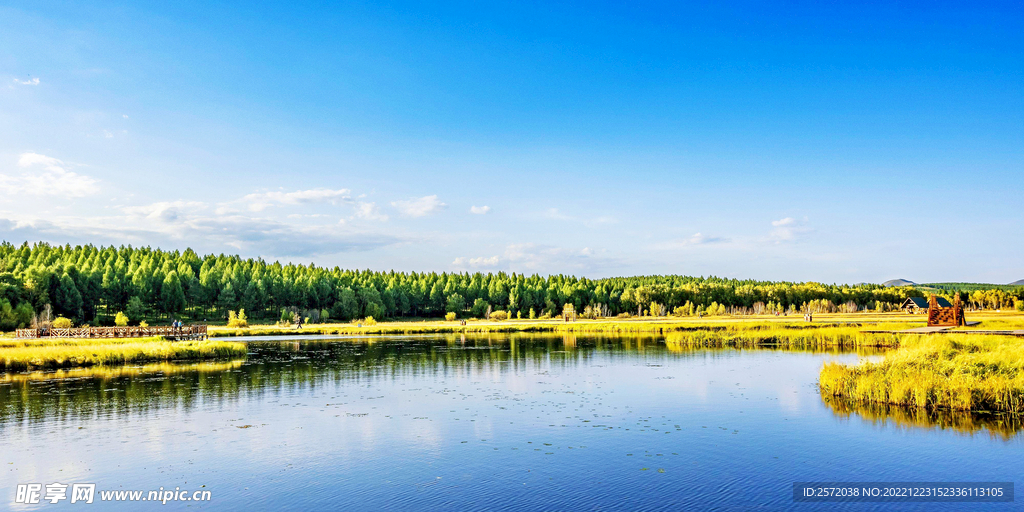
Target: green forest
[90,284]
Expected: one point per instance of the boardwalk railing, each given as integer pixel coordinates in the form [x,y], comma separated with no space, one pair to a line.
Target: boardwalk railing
[184,332]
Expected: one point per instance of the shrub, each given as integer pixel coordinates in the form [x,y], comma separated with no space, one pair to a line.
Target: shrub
[238,320]
[545,316]
[62,323]
[369,321]
[499,315]
[121,319]
[1020,305]
[450,316]
[143,324]
[533,314]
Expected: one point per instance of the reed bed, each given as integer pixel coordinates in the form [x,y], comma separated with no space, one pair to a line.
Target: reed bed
[104,372]
[961,372]
[19,355]
[783,337]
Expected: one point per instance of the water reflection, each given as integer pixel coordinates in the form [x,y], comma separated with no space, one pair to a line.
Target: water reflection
[999,425]
[284,364]
[498,422]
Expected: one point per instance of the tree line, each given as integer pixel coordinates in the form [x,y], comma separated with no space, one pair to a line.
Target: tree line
[91,284]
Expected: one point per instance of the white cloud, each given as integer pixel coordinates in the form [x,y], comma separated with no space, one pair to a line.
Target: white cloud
[262,200]
[553,213]
[369,211]
[171,224]
[165,211]
[479,210]
[532,257]
[476,263]
[701,239]
[694,240]
[47,176]
[786,230]
[419,207]
[30,159]
[590,221]
[124,116]
[31,81]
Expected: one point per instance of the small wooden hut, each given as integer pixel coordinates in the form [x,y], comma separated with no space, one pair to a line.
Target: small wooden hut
[920,304]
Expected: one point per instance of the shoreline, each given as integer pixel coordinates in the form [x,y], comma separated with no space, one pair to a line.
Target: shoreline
[35,354]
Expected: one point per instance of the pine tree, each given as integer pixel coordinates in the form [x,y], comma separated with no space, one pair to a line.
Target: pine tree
[172,297]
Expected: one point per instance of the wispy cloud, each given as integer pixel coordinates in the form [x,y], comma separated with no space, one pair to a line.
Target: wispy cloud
[419,207]
[30,81]
[787,230]
[461,263]
[175,223]
[589,221]
[554,214]
[262,200]
[697,239]
[369,211]
[165,211]
[531,257]
[479,210]
[47,176]
[702,239]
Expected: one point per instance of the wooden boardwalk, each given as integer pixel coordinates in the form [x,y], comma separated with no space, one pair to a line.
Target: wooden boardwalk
[187,332]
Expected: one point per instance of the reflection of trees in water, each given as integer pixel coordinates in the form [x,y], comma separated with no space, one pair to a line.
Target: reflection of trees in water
[1002,425]
[282,366]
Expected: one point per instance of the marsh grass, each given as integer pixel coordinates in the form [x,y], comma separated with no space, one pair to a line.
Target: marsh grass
[782,336]
[19,355]
[961,372]
[780,326]
[104,372]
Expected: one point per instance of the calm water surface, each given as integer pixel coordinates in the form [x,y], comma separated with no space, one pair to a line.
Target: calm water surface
[501,422]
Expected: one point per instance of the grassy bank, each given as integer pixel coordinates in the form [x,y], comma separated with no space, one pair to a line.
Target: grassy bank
[651,325]
[17,355]
[688,332]
[163,368]
[960,372]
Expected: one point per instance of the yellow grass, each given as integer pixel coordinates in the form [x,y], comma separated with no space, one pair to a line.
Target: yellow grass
[967,372]
[66,353]
[113,372]
[650,325]
[784,336]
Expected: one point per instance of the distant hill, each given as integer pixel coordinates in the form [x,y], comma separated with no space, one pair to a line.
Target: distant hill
[1019,282]
[970,287]
[898,282]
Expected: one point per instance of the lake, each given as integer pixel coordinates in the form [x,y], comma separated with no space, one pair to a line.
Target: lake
[483,422]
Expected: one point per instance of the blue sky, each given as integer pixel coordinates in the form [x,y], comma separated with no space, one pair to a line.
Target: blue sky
[798,141]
